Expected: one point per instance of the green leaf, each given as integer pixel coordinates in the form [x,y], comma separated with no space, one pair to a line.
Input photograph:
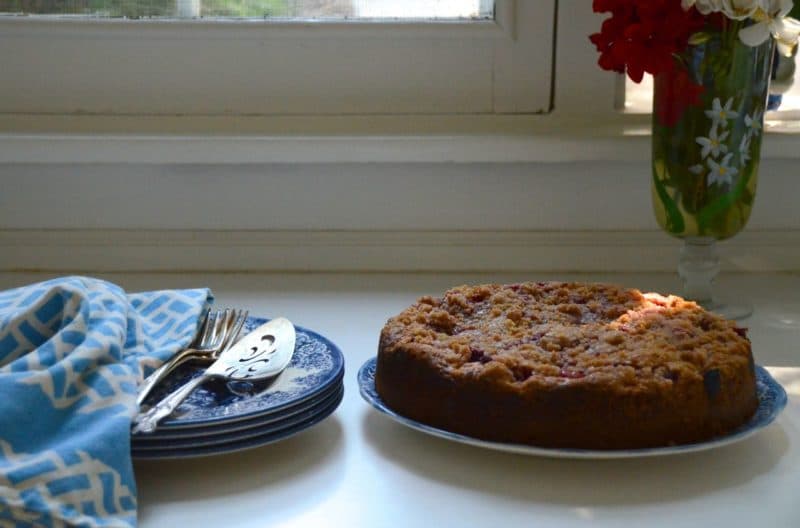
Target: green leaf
[716,209]
[675,223]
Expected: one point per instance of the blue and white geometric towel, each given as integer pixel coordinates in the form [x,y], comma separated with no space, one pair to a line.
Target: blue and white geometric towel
[72,352]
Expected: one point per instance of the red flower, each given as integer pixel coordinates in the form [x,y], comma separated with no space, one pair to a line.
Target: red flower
[643,35]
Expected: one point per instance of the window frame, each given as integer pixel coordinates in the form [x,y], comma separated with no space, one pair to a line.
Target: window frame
[583,122]
[324,68]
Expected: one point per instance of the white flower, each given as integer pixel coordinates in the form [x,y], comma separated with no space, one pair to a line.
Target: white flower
[734,9]
[719,114]
[744,149]
[713,143]
[770,19]
[721,173]
[753,123]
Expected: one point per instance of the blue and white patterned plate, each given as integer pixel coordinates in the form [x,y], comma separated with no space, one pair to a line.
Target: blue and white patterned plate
[226,428]
[240,443]
[317,365]
[159,444]
[771,397]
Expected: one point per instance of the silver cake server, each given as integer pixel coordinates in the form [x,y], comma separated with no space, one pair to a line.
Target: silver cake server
[263,353]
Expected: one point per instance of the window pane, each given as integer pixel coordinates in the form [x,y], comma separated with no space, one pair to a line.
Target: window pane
[269,9]
[638,97]
[784,99]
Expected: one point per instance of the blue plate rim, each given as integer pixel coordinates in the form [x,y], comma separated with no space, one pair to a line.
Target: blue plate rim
[178,433]
[366,385]
[274,427]
[240,444]
[337,373]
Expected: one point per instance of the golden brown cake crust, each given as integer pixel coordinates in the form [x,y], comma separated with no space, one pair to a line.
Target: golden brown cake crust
[567,365]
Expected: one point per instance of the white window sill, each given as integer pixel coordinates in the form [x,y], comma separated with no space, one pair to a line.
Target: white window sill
[378,139]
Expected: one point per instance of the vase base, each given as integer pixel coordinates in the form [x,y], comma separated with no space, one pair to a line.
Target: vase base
[730,310]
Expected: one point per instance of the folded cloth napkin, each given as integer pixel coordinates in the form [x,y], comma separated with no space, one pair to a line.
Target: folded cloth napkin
[72,353]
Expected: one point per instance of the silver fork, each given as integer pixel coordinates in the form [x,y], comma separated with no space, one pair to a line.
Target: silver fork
[218,332]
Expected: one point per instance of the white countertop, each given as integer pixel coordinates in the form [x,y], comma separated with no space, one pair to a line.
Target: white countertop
[359,468]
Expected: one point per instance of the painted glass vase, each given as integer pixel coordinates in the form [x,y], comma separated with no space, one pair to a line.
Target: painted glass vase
[708,117]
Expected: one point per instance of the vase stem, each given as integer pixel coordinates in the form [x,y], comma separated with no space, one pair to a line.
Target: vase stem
[698,267]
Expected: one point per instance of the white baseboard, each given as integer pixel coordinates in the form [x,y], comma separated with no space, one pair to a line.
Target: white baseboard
[78,250]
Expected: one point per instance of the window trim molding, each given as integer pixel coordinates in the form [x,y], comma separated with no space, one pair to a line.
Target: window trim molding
[547,145]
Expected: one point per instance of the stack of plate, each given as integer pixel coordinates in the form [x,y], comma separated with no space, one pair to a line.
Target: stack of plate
[221,418]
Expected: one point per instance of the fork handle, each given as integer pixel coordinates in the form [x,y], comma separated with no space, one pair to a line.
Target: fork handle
[161,372]
[147,422]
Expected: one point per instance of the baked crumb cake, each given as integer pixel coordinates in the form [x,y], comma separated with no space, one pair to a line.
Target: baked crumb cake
[575,365]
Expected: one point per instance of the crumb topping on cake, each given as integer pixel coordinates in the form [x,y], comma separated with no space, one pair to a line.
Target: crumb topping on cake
[555,333]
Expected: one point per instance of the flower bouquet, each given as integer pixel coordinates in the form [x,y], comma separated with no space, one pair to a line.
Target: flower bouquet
[711,61]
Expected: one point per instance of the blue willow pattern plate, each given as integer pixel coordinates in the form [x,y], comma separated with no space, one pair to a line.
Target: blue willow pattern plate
[317,364]
[241,443]
[146,443]
[228,429]
[771,401]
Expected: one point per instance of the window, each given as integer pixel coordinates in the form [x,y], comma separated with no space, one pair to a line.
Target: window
[444,65]
[261,9]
